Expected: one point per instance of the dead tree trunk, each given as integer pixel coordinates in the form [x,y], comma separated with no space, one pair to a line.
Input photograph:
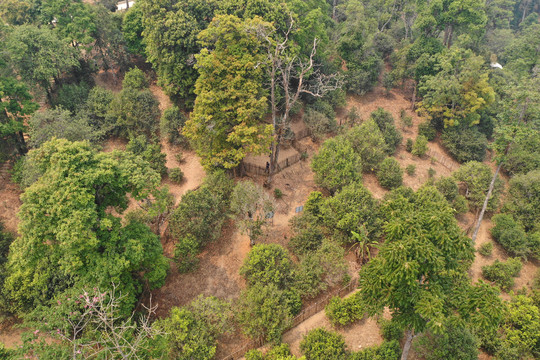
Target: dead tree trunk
[407,346]
[486,200]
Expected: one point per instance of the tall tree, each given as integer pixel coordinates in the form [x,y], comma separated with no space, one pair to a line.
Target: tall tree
[69,237]
[226,123]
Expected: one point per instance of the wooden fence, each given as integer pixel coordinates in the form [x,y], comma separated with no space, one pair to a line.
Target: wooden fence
[300,134]
[261,170]
[298,319]
[447,163]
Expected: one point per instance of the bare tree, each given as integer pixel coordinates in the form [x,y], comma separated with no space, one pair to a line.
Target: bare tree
[289,74]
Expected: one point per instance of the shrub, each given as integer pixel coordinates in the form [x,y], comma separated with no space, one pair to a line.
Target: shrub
[389,174]
[150,152]
[460,204]
[476,178]
[278,194]
[176,175]
[388,350]
[502,273]
[185,253]
[96,108]
[263,311]
[524,154]
[409,145]
[179,156]
[466,144]
[391,330]
[368,142]
[524,202]
[455,343]
[135,79]
[406,120]
[72,96]
[448,187]
[389,81]
[486,249]
[268,264]
[345,311]
[323,107]
[353,117]
[510,235]
[336,164]
[320,344]
[308,235]
[280,352]
[171,124]
[420,147]
[319,123]
[427,130]
[385,122]
[410,169]
[431,172]
[362,75]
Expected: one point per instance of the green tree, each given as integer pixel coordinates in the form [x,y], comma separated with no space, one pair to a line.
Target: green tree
[524,202]
[39,56]
[226,121]
[336,164]
[390,174]
[368,141]
[385,122]
[135,79]
[320,344]
[171,124]
[268,264]
[68,239]
[476,178]
[149,152]
[132,28]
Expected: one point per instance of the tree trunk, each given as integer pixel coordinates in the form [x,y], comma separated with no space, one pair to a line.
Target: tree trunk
[21,144]
[407,346]
[127,4]
[486,200]
[413,97]
[334,10]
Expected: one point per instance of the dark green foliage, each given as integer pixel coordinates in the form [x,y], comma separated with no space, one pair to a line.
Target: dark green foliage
[385,122]
[524,154]
[171,124]
[132,29]
[411,169]
[388,350]
[320,269]
[503,273]
[150,152]
[511,236]
[345,311]
[460,205]
[362,75]
[420,146]
[391,330]
[191,332]
[336,164]
[201,212]
[425,128]
[319,123]
[59,123]
[448,187]
[409,145]
[524,200]
[455,343]
[268,264]
[278,194]
[135,79]
[308,235]
[264,311]
[486,249]
[6,239]
[96,109]
[368,142]
[134,113]
[72,96]
[389,174]
[383,43]
[185,252]
[476,177]
[176,175]
[281,352]
[350,209]
[320,344]
[467,144]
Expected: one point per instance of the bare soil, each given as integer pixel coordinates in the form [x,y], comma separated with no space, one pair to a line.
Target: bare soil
[9,205]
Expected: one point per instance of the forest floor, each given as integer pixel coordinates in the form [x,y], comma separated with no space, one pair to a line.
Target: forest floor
[220,262]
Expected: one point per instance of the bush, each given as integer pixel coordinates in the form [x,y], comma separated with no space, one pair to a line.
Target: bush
[362,75]
[353,117]
[524,202]
[319,123]
[448,187]
[150,152]
[336,164]
[96,108]
[466,144]
[524,154]
[455,343]
[135,79]
[389,174]
[420,147]
[71,96]
[385,122]
[176,175]
[486,249]
[308,235]
[320,344]
[431,172]
[460,204]
[185,253]
[388,350]
[391,330]
[409,145]
[268,264]
[278,194]
[345,311]
[427,130]
[368,142]
[389,81]
[410,169]
[406,120]
[476,178]
[511,235]
[171,124]
[503,273]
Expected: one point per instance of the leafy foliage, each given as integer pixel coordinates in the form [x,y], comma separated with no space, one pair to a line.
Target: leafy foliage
[388,350]
[368,142]
[385,122]
[344,311]
[476,177]
[466,144]
[135,79]
[150,152]
[456,343]
[524,200]
[320,344]
[420,147]
[390,174]
[171,125]
[268,264]
[503,273]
